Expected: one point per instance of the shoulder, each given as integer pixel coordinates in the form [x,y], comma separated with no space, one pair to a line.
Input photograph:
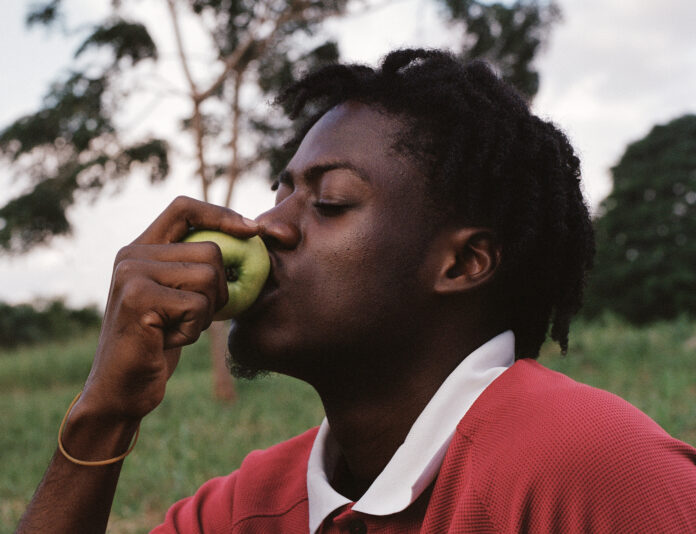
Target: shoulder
[278,456]
[275,479]
[530,410]
[557,444]
[538,399]
[270,482]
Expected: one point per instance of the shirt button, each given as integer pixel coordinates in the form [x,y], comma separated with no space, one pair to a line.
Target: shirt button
[357,526]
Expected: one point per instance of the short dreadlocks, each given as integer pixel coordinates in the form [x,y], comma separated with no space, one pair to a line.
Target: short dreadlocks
[489,162]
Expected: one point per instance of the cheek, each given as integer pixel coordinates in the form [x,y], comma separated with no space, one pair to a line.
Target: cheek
[367,274]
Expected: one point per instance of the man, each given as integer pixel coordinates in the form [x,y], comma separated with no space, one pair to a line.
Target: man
[426,234]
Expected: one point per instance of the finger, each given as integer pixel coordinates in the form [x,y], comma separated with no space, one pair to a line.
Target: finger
[185,213]
[180,316]
[203,252]
[200,278]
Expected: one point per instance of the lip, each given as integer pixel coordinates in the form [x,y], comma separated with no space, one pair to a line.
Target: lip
[269,289]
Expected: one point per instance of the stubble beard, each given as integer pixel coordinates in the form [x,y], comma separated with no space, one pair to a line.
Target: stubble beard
[249,368]
[243,371]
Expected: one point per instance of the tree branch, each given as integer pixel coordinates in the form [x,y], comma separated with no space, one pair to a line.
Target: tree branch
[197,124]
[180,49]
[232,61]
[233,169]
[196,121]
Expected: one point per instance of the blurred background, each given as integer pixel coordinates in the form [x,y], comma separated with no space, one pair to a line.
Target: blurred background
[110,109]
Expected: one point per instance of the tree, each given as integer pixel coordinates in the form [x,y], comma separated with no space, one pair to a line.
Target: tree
[507,35]
[646,233]
[24,324]
[73,146]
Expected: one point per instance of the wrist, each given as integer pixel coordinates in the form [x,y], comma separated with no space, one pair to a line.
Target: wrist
[90,437]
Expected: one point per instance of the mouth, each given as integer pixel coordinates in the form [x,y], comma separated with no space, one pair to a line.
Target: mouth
[270,287]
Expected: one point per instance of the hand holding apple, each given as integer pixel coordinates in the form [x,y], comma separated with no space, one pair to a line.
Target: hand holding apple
[163,294]
[246,266]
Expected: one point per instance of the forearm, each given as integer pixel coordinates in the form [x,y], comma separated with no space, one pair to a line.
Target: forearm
[75,498]
[163,294]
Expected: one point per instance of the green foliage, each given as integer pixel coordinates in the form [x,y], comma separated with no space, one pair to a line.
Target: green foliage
[69,146]
[72,115]
[129,40]
[508,35]
[646,234]
[45,14]
[231,20]
[25,324]
[34,217]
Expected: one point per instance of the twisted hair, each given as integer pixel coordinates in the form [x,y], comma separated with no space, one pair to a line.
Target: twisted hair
[489,162]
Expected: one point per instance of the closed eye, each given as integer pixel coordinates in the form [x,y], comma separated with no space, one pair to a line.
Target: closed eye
[330,210]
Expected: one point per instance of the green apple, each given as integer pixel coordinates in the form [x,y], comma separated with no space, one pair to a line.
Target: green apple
[246,265]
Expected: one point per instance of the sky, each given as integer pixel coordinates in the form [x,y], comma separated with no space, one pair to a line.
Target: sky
[611,70]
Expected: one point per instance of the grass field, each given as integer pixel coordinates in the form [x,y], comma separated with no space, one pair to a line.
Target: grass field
[191,438]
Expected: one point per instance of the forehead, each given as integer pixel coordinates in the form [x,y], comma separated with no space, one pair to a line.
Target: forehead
[355,133]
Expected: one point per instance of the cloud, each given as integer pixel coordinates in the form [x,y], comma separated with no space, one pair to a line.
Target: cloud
[613,70]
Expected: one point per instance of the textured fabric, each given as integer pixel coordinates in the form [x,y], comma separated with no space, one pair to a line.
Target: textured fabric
[537,452]
[267,494]
[417,461]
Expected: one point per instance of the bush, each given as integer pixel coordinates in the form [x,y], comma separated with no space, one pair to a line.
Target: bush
[25,324]
[646,234]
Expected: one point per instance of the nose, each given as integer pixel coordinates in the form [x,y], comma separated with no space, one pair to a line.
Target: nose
[277,231]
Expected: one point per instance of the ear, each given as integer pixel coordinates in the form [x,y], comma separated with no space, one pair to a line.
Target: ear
[468,258]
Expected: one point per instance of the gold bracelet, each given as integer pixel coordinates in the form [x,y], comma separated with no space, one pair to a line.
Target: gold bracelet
[96,462]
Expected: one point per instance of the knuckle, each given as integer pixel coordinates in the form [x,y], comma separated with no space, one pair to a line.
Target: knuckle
[209,252]
[134,291]
[213,250]
[206,324]
[210,273]
[182,204]
[199,305]
[194,320]
[125,269]
[122,254]
[199,276]
[193,335]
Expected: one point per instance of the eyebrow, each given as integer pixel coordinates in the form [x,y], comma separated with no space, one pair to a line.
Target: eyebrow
[316,171]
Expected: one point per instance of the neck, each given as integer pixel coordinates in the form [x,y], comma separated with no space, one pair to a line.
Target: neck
[371,408]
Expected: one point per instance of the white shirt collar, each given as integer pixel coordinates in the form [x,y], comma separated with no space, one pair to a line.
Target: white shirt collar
[417,461]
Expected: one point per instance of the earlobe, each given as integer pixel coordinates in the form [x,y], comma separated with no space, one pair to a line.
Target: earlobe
[469,259]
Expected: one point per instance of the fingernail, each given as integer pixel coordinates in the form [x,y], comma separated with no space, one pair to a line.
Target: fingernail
[250,223]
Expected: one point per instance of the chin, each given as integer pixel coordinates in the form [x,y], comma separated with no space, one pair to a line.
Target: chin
[243,357]
[249,355]
[255,352]
[244,372]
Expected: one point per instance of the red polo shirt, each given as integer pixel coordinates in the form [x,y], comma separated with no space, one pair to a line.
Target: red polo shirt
[537,452]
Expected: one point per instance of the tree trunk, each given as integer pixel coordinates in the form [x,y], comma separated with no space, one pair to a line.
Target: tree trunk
[223,383]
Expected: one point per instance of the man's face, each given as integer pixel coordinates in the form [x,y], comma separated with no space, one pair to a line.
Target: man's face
[346,239]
